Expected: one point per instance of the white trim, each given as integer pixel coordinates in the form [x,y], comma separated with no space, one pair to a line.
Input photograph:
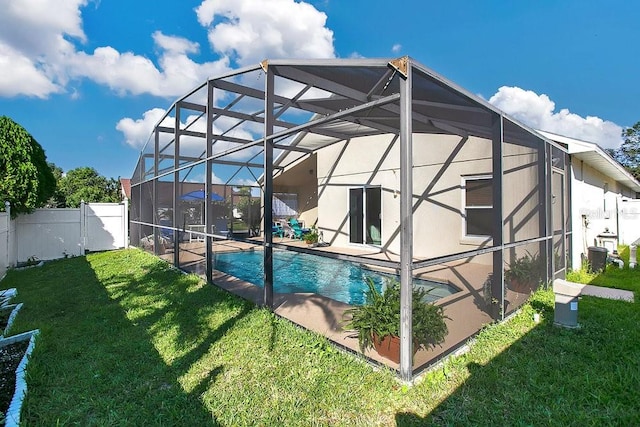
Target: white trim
[471,239]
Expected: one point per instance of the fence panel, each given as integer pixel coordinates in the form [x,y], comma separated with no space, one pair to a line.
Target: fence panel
[629,221]
[105,228]
[4,242]
[48,234]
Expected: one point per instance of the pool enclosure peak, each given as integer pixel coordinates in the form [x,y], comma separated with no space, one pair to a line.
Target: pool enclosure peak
[394,166]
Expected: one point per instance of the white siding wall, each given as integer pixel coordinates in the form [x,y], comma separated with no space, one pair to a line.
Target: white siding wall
[595,207]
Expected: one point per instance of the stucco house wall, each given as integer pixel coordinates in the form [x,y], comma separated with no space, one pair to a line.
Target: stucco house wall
[441,162]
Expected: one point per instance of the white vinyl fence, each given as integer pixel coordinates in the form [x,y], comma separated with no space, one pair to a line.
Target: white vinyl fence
[49,234]
[629,221]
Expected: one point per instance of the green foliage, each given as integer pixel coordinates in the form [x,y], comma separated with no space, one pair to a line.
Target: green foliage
[249,207]
[57,199]
[87,184]
[628,154]
[380,316]
[311,236]
[26,180]
[612,277]
[526,270]
[583,275]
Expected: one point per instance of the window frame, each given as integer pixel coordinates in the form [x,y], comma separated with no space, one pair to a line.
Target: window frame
[466,237]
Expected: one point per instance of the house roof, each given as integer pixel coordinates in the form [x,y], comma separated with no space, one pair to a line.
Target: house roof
[593,155]
[125,187]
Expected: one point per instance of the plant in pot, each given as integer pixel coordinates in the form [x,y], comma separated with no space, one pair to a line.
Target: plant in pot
[311,237]
[524,273]
[377,321]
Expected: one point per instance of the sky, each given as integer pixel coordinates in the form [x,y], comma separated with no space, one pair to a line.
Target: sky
[89,79]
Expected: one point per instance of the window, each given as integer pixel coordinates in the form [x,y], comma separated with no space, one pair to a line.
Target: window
[478,206]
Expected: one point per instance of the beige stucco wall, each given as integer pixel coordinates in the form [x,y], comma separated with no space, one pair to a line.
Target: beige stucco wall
[440,164]
[300,179]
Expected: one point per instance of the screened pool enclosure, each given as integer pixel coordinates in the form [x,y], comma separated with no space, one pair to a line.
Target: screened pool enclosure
[396,169]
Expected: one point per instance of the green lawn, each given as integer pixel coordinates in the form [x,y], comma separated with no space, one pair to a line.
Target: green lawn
[126,340]
[612,277]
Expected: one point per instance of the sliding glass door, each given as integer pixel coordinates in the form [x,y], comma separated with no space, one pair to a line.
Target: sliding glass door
[365,223]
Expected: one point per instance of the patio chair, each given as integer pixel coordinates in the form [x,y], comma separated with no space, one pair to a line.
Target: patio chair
[220,227]
[374,233]
[277,230]
[295,229]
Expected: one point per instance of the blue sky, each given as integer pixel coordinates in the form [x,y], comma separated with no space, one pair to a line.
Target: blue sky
[89,79]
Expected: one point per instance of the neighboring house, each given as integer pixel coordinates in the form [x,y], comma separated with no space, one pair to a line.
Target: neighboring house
[601,191]
[125,188]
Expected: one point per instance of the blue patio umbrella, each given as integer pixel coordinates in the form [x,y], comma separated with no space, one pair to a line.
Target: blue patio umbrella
[198,196]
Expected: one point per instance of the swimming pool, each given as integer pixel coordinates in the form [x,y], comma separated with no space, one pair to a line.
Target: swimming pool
[297,272]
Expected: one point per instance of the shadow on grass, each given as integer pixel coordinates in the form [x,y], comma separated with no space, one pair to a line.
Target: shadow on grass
[116,345]
[553,375]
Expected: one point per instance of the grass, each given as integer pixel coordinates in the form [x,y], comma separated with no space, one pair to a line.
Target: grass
[126,340]
[613,277]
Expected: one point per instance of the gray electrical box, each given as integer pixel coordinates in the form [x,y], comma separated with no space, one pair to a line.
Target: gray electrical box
[566,308]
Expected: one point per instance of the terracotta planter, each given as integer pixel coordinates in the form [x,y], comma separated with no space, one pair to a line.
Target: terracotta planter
[520,287]
[389,347]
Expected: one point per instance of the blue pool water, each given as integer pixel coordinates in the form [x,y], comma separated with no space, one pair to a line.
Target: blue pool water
[297,272]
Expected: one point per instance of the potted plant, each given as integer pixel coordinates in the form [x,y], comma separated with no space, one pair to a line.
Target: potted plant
[311,237]
[524,273]
[377,321]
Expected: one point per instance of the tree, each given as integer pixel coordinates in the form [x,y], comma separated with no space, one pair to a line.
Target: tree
[87,184]
[628,155]
[57,199]
[249,207]
[26,181]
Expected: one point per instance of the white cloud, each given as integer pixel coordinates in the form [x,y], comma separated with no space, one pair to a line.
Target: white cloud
[37,50]
[21,76]
[175,44]
[135,74]
[396,48]
[40,46]
[252,30]
[33,44]
[538,112]
[136,132]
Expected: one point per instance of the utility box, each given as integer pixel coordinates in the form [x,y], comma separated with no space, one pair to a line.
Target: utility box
[566,308]
[597,258]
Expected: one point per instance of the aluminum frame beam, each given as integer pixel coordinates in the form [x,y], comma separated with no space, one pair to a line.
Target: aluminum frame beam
[406,227]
